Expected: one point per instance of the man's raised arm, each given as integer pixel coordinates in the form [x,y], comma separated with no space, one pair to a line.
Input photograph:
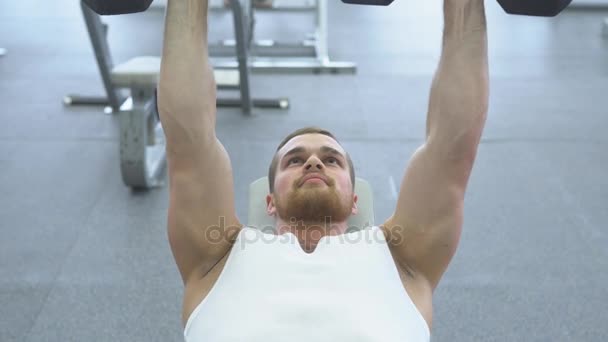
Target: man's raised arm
[425,228]
[187,89]
[201,184]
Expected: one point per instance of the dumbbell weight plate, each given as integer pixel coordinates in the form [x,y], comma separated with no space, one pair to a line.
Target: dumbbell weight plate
[115,7]
[539,8]
[369,2]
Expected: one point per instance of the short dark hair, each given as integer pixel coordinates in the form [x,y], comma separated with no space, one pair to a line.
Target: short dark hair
[306,130]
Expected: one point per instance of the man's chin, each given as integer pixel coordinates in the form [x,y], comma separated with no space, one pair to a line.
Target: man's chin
[312,213]
[313,194]
[311,203]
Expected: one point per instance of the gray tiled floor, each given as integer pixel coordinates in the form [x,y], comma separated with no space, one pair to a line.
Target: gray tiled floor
[82,258]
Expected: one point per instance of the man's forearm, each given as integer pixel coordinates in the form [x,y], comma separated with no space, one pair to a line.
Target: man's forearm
[459,94]
[186,90]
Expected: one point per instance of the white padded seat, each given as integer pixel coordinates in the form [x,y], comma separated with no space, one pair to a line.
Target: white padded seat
[144,71]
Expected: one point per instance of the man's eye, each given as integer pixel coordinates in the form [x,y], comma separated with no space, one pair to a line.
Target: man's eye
[292,159]
[332,159]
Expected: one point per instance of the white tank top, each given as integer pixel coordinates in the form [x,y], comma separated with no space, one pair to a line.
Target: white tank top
[270,290]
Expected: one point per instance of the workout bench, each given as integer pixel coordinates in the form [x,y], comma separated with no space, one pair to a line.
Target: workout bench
[142,144]
[116,97]
[130,89]
[142,147]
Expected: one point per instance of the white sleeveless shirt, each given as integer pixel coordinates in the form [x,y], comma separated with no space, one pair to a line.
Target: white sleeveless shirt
[270,290]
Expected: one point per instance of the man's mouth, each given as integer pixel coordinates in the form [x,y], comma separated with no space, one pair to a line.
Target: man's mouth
[314,179]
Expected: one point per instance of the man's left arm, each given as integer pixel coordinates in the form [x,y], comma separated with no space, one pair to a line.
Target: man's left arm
[425,229]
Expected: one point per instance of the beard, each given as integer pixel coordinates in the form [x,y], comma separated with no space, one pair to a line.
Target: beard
[313,203]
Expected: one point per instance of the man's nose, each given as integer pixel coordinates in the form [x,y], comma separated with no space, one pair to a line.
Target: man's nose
[314,162]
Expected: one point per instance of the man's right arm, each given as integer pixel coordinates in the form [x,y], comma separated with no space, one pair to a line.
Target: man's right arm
[200,174]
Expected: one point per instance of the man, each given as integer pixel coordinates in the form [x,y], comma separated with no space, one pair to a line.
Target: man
[266,291]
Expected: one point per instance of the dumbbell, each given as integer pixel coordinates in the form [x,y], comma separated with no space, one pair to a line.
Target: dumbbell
[369,2]
[538,8]
[115,7]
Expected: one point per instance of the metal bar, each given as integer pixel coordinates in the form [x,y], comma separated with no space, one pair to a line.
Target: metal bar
[321,32]
[97,33]
[240,33]
[280,103]
[277,6]
[266,48]
[289,65]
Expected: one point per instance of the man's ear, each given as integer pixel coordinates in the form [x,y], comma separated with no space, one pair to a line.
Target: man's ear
[355,209]
[271,209]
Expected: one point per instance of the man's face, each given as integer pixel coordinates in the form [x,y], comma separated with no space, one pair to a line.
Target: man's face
[312,182]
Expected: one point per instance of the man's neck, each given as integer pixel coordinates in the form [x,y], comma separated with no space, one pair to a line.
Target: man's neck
[309,233]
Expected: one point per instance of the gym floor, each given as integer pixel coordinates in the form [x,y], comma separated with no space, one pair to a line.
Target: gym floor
[84,258]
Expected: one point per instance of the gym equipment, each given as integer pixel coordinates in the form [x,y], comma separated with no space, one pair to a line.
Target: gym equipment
[116,7]
[142,143]
[538,8]
[258,218]
[116,96]
[308,55]
[266,56]
[130,89]
[594,5]
[369,2]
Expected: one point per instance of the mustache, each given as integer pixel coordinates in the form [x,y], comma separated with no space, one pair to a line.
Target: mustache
[328,180]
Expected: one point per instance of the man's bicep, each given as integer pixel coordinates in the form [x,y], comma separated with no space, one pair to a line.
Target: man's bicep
[426,225]
[202,216]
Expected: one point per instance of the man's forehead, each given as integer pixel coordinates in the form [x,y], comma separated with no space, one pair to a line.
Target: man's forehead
[311,141]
